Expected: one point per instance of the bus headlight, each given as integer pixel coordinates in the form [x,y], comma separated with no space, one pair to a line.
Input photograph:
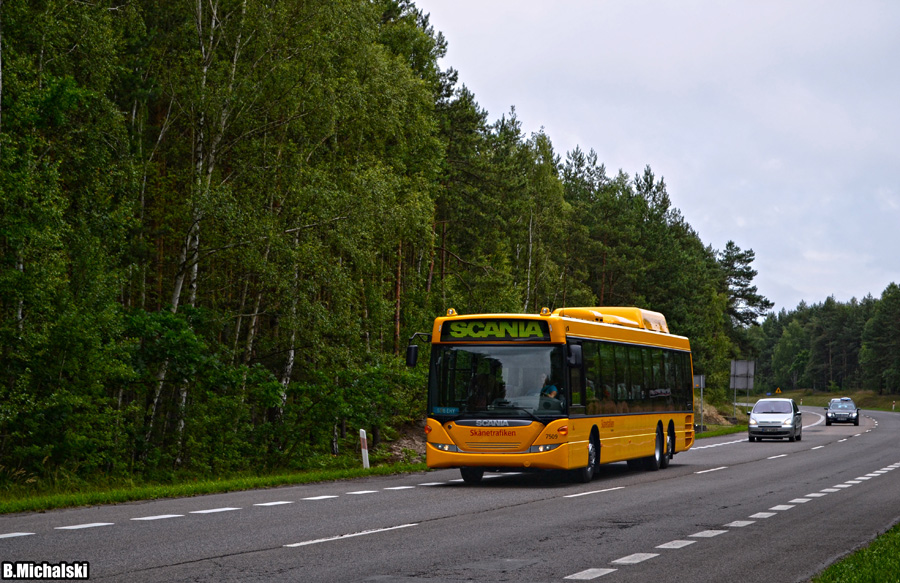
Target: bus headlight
[542,448]
[444,446]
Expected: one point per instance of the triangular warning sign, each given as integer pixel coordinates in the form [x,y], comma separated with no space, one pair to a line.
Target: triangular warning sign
[778,391]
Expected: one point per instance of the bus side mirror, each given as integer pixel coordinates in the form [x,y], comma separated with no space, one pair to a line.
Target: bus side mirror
[412,355]
[575,355]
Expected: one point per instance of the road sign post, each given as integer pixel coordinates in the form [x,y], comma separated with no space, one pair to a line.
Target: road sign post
[364,446]
[742,372]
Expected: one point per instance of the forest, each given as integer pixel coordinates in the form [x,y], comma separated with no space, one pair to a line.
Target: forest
[221,221]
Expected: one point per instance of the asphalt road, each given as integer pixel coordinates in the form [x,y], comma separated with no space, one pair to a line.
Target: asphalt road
[728,510]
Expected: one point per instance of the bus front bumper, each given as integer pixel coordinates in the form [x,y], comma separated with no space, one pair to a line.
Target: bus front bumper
[555,459]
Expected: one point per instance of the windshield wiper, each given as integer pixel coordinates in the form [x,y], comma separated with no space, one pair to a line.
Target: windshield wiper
[504,404]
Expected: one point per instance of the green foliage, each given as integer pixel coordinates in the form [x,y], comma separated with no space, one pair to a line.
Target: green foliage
[213,246]
[833,346]
[877,563]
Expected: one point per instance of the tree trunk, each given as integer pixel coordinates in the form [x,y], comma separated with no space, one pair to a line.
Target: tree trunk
[397,299]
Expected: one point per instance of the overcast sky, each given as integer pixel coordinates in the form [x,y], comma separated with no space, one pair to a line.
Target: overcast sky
[775,123]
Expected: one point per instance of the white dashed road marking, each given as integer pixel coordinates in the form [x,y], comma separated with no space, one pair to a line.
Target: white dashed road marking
[159,517]
[89,525]
[343,536]
[634,559]
[14,534]
[676,544]
[213,510]
[712,470]
[592,492]
[708,533]
[279,503]
[589,574]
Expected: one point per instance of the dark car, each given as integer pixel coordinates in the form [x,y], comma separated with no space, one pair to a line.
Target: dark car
[842,411]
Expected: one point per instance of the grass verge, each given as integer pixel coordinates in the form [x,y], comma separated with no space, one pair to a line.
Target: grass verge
[717,430]
[152,492]
[877,563]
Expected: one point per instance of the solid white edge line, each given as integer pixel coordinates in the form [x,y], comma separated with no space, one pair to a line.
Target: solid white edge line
[343,536]
[593,492]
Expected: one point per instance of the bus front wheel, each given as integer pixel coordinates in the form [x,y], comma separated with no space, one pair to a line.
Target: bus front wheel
[471,475]
[585,474]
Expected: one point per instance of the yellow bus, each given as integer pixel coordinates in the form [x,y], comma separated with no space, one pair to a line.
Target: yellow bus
[567,390]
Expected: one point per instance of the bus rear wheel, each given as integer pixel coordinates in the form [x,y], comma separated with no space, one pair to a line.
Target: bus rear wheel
[654,462]
[471,475]
[669,453]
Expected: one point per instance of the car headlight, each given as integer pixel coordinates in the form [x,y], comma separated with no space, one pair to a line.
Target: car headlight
[787,422]
[444,447]
[853,414]
[753,422]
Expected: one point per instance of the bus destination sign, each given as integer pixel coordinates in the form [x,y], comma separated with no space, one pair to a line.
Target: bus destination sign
[482,330]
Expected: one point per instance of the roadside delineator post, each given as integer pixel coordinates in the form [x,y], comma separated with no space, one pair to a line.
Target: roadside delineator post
[365,448]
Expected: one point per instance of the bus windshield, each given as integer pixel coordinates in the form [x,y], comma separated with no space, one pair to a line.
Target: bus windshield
[497,381]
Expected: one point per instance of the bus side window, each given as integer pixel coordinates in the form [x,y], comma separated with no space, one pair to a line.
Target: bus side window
[622,385]
[577,388]
[671,376]
[576,385]
[592,377]
[608,378]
